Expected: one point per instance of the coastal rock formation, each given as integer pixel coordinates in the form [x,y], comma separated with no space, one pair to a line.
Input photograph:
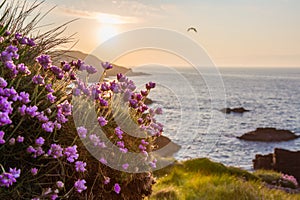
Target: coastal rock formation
[284,161]
[234,110]
[287,162]
[148,101]
[165,147]
[269,135]
[263,162]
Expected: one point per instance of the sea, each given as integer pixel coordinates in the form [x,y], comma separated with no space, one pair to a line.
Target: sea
[192,98]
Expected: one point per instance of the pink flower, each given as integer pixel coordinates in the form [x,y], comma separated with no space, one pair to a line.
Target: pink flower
[79,185]
[90,69]
[20,139]
[150,85]
[106,65]
[153,163]
[290,178]
[103,161]
[82,131]
[117,188]
[12,141]
[39,141]
[39,80]
[34,171]
[44,61]
[94,139]
[55,150]
[16,173]
[158,111]
[48,126]
[144,142]
[49,88]
[80,166]
[102,121]
[119,132]
[106,180]
[2,141]
[121,144]
[51,97]
[3,83]
[71,153]
[60,184]
[125,166]
[54,196]
[123,150]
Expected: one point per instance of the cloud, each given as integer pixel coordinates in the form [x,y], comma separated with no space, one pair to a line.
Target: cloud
[116,19]
[100,16]
[138,7]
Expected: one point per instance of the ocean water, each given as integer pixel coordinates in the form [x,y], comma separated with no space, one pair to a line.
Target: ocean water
[192,98]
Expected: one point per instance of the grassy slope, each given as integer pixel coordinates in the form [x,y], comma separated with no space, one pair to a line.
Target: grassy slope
[204,179]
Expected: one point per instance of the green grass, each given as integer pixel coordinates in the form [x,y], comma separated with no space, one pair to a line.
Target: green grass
[204,179]
[268,176]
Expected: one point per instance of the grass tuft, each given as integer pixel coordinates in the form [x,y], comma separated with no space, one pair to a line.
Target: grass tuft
[167,193]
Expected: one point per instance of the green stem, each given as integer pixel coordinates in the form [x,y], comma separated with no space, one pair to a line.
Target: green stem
[74,140]
[102,76]
[3,170]
[19,124]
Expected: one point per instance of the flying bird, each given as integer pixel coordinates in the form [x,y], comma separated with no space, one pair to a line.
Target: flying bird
[192,29]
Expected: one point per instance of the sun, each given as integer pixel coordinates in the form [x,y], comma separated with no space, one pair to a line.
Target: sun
[109,26]
[107,31]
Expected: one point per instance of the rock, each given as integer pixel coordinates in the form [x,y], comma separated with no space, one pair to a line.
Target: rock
[234,110]
[284,161]
[165,147]
[285,189]
[263,162]
[269,135]
[148,101]
[287,162]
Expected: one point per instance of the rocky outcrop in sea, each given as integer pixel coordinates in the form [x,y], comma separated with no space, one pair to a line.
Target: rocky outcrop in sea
[269,135]
[234,110]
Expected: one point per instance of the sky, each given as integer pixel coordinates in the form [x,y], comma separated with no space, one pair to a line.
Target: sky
[237,33]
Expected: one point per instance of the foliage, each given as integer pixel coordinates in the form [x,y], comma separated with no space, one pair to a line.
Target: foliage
[204,179]
[288,181]
[277,179]
[205,166]
[24,18]
[268,176]
[48,146]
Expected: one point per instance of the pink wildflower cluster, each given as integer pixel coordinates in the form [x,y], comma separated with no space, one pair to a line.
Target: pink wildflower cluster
[289,178]
[34,107]
[105,95]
